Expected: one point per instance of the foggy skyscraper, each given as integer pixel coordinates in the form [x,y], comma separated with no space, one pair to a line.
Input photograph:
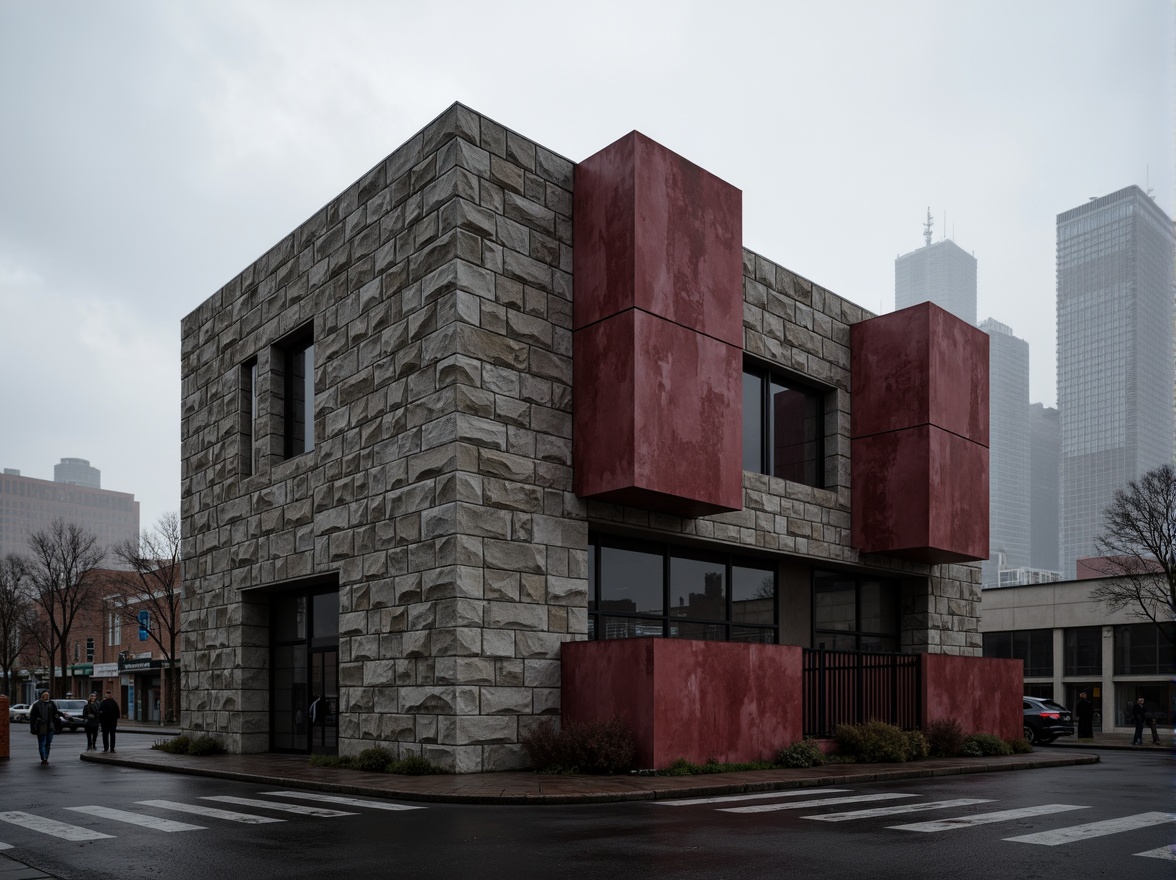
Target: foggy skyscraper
[940,272]
[1115,380]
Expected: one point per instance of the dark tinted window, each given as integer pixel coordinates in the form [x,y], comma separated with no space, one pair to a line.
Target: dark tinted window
[783,428]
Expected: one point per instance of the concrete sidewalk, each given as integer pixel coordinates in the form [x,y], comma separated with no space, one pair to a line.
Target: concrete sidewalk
[294,771]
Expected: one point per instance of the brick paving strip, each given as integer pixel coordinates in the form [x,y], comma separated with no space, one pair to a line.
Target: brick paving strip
[293,771]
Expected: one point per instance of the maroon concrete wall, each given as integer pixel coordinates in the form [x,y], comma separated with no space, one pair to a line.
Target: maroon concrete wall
[982,693]
[919,436]
[688,699]
[658,336]
[4,727]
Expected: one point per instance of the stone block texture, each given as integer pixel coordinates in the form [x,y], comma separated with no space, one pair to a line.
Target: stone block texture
[438,494]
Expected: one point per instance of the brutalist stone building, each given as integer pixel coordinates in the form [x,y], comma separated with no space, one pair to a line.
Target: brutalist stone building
[489,403]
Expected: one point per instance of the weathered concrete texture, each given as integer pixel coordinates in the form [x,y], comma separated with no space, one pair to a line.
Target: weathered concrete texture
[983,694]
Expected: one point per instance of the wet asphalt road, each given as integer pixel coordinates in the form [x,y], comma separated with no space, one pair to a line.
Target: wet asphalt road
[608,841]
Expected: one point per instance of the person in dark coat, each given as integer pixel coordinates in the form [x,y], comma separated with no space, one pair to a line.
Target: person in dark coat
[1138,716]
[1085,714]
[108,715]
[43,718]
[90,719]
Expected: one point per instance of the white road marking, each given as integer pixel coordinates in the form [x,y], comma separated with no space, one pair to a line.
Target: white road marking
[689,802]
[1164,852]
[210,812]
[822,802]
[1094,829]
[900,808]
[345,801]
[153,822]
[321,812]
[5,846]
[988,818]
[51,827]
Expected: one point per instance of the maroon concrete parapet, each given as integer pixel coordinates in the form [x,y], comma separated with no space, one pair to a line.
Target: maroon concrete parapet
[658,334]
[5,724]
[982,693]
[919,436]
[682,698]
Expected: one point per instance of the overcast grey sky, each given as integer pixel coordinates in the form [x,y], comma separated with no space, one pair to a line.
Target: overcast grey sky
[151,150]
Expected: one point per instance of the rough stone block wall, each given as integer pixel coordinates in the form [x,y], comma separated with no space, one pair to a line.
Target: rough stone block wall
[438,495]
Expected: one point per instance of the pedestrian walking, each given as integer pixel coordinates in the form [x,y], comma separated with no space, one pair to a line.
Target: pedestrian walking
[43,718]
[108,715]
[1139,716]
[1084,711]
[1150,719]
[90,720]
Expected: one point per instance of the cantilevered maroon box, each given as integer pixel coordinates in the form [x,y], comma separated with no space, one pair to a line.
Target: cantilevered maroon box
[658,331]
[919,436]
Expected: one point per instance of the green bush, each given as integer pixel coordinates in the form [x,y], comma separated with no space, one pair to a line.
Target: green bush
[594,747]
[805,753]
[373,760]
[682,767]
[186,745]
[917,746]
[414,765]
[945,737]
[1020,745]
[204,745]
[177,745]
[874,742]
[988,744]
[971,749]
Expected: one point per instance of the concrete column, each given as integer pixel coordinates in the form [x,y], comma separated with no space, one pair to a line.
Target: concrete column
[1109,700]
[1059,664]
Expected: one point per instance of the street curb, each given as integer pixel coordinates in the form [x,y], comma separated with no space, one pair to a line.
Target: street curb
[681,791]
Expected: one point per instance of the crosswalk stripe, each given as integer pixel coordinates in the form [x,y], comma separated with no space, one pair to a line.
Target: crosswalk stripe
[51,827]
[5,846]
[900,808]
[152,822]
[345,801]
[822,802]
[807,792]
[211,812]
[1164,852]
[321,812]
[987,818]
[1094,829]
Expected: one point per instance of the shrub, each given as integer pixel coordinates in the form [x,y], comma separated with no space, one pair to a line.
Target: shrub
[594,747]
[989,745]
[682,767]
[971,749]
[186,745]
[175,746]
[414,765]
[917,746]
[874,742]
[373,760]
[1020,745]
[805,753]
[945,737]
[204,745]
[338,762]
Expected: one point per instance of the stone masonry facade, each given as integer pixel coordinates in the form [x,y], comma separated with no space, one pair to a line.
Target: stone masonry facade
[438,494]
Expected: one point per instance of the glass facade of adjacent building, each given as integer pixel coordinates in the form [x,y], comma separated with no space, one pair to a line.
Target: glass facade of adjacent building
[942,273]
[1008,396]
[1114,338]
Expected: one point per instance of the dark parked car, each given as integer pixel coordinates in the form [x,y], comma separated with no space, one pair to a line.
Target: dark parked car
[1046,720]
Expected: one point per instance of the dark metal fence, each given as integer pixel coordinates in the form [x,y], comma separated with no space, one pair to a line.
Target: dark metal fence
[850,687]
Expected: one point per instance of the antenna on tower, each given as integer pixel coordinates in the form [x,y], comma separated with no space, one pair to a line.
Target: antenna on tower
[1148,191]
[927,227]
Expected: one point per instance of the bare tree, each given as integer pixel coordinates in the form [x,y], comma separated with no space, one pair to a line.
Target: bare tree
[1138,546]
[16,606]
[62,561]
[152,583]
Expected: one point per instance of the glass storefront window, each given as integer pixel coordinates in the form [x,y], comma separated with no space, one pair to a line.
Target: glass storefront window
[1141,649]
[1034,647]
[853,613]
[1083,650]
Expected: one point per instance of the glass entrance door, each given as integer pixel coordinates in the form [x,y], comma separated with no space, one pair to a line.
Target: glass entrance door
[324,690]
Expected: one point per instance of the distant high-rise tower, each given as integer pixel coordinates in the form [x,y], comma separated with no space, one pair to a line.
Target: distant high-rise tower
[1008,453]
[1043,487]
[78,472]
[940,272]
[1115,305]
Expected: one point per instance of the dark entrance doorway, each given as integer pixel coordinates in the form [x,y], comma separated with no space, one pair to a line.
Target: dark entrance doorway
[304,664]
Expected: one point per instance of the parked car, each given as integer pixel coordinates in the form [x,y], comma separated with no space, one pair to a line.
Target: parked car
[72,709]
[1046,720]
[19,712]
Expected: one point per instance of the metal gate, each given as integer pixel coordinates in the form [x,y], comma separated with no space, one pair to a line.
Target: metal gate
[850,687]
